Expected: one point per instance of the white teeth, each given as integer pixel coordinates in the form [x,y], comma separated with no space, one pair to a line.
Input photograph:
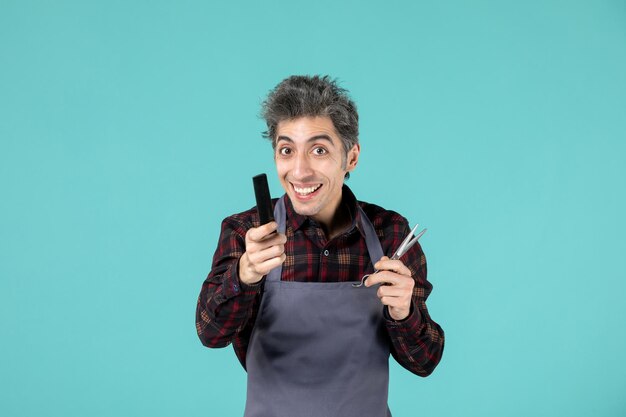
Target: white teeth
[306,190]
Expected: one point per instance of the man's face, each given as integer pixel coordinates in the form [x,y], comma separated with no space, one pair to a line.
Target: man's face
[311,165]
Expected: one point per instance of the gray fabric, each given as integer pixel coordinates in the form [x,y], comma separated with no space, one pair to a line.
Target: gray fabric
[318,349]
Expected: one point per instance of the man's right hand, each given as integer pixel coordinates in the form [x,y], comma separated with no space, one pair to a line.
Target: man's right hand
[265,250]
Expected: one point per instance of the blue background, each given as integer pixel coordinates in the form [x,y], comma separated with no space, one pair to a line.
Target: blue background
[128,130]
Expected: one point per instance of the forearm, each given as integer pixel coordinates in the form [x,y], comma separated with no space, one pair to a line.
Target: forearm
[417,342]
[224,307]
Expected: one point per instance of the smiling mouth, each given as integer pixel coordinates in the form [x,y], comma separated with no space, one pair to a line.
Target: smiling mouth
[304,191]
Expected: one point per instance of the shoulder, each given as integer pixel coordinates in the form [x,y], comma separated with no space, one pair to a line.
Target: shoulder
[244,220]
[382,218]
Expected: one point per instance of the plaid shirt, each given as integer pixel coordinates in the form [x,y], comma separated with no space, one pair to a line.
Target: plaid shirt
[227,308]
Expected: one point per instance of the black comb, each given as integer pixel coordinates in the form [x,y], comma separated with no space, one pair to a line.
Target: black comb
[263,198]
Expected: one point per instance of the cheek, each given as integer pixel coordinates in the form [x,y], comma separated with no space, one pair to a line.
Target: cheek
[281,168]
[337,160]
[329,164]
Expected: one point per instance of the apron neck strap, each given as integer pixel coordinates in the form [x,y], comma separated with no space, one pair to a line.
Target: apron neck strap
[371,240]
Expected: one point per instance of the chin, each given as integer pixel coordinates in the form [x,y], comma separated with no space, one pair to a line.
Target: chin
[304,210]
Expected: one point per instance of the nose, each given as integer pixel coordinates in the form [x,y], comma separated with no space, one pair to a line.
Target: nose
[302,167]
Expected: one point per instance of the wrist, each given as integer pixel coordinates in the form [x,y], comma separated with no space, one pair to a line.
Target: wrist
[246,274]
[399,315]
[402,316]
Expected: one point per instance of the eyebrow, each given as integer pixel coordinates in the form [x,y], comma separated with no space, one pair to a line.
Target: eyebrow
[311,139]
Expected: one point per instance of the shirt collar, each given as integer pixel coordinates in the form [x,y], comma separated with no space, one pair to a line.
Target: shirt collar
[348,200]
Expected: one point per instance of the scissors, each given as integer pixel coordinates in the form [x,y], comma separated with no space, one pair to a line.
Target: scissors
[406,244]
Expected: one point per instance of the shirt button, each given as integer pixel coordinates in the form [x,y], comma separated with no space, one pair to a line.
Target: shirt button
[326,252]
[236,287]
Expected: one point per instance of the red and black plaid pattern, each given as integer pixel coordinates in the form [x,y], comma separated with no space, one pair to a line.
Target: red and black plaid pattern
[226,309]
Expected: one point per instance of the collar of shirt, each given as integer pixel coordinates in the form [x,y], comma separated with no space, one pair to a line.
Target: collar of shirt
[348,200]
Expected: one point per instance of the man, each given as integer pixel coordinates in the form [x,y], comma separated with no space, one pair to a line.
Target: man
[312,344]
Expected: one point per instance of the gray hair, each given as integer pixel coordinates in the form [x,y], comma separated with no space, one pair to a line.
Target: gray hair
[304,95]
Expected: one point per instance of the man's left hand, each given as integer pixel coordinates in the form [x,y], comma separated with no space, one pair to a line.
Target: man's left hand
[397,286]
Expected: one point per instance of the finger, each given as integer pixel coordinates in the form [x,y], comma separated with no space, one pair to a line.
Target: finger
[392,291]
[257,234]
[265,267]
[272,239]
[394,303]
[384,277]
[392,265]
[258,256]
[391,301]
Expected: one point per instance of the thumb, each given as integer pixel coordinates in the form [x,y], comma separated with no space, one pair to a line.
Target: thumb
[384,258]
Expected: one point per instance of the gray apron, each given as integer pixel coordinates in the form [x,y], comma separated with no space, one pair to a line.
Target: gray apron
[318,349]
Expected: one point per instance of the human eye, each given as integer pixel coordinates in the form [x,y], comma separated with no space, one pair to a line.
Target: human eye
[284,151]
[319,151]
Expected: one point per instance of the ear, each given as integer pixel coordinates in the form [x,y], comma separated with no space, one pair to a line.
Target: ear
[353,157]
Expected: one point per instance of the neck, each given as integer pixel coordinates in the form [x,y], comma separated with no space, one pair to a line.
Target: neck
[337,223]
